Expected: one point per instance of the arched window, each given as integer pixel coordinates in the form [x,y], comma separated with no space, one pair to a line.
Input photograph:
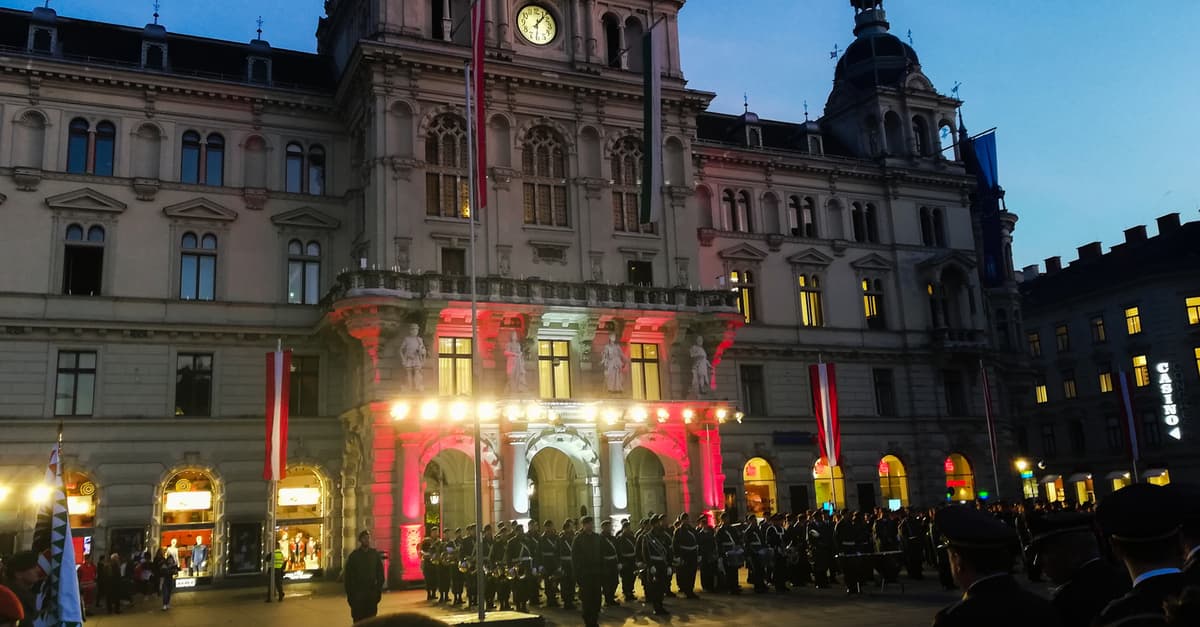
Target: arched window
[830,485]
[316,170]
[808,217]
[612,41]
[939,228]
[77,146]
[190,508]
[858,220]
[893,482]
[106,144]
[29,140]
[189,161]
[811,313]
[920,131]
[214,173]
[948,141]
[447,188]
[83,261]
[743,223]
[729,210]
[743,283]
[835,224]
[198,267]
[294,168]
[895,136]
[873,303]
[633,44]
[81,505]
[626,177]
[960,480]
[758,479]
[301,504]
[304,273]
[872,220]
[874,145]
[955,309]
[926,226]
[147,148]
[544,164]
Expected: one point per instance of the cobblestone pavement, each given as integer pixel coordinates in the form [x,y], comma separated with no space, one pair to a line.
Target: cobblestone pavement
[321,604]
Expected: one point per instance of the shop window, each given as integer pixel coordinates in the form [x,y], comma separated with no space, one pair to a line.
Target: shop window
[81,508]
[1035,345]
[1062,338]
[83,261]
[1068,383]
[1099,335]
[1104,373]
[742,282]
[198,266]
[754,396]
[1141,371]
[304,385]
[454,366]
[304,272]
[640,273]
[960,479]
[554,369]
[759,480]
[829,485]
[893,482]
[643,362]
[193,384]
[300,518]
[544,169]
[1039,390]
[873,304]
[74,393]
[811,312]
[885,392]
[189,510]
[1193,309]
[1133,321]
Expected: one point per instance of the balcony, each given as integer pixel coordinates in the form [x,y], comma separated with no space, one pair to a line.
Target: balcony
[945,339]
[531,291]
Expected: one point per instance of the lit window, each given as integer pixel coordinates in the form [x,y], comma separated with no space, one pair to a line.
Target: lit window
[1197,351]
[554,368]
[1068,382]
[873,303]
[1141,371]
[447,188]
[1039,389]
[1035,344]
[626,178]
[544,166]
[810,301]
[454,366]
[1193,309]
[743,283]
[1106,382]
[643,362]
[1062,338]
[1099,335]
[1133,321]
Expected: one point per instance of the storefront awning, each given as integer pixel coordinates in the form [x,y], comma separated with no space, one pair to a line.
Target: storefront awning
[1049,479]
[1150,473]
[1117,474]
[1079,476]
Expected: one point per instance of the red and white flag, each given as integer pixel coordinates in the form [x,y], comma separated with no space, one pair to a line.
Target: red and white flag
[824,390]
[1127,411]
[279,365]
[478,42]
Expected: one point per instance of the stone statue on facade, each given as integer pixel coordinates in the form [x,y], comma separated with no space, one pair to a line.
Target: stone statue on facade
[412,358]
[514,368]
[701,368]
[613,361]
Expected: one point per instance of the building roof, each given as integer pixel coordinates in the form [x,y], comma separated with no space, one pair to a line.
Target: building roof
[99,43]
[1176,249]
[725,128]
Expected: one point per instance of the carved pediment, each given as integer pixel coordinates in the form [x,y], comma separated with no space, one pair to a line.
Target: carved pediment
[742,252]
[200,209]
[953,257]
[306,218]
[85,199]
[872,263]
[810,257]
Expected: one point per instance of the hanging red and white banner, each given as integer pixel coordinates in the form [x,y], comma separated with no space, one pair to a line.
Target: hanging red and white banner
[1134,446]
[824,390]
[279,365]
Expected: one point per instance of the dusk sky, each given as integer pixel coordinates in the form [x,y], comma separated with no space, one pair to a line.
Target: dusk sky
[1094,101]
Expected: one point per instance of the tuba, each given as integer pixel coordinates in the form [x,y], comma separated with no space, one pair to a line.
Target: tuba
[464,566]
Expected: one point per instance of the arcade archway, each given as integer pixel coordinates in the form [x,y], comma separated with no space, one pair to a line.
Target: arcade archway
[758,479]
[646,487]
[558,486]
[893,482]
[960,479]
[829,485]
[450,491]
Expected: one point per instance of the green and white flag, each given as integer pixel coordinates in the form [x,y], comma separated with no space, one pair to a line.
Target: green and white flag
[58,600]
[652,137]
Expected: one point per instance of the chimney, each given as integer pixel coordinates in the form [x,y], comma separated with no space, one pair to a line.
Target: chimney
[1136,234]
[1090,251]
[1168,223]
[1053,264]
[1030,272]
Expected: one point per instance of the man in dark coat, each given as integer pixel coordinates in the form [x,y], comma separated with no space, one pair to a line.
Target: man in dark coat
[912,541]
[1066,547]
[22,575]
[548,552]
[364,579]
[1190,500]
[627,556]
[655,554]
[566,574]
[685,548]
[1142,523]
[590,570]
[706,540]
[612,564]
[980,552]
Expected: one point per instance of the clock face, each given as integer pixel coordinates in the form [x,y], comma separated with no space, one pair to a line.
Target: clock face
[536,25]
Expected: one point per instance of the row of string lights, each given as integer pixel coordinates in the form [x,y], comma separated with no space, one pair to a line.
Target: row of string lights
[458,411]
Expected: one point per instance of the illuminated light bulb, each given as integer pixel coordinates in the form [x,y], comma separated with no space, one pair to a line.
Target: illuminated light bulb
[611,416]
[487,410]
[590,413]
[688,415]
[638,413]
[662,414]
[40,493]
[534,412]
[722,413]
[458,411]
[738,416]
[429,410]
[513,412]
[552,417]
[4,492]
[399,410]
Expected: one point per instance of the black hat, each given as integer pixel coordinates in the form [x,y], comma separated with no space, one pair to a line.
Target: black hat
[645,521]
[21,561]
[1142,512]
[969,528]
[587,519]
[625,523]
[1045,527]
[1188,497]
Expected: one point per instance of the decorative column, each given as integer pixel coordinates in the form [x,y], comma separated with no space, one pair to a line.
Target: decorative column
[409,507]
[615,479]
[514,460]
[577,29]
[589,18]
[712,492]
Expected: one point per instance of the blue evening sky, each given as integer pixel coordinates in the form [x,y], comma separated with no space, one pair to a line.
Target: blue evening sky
[1094,101]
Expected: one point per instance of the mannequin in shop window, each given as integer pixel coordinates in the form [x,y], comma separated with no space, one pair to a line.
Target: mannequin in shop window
[286,547]
[173,550]
[199,562]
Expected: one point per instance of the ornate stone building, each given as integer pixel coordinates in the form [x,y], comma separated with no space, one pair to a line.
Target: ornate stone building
[178,205]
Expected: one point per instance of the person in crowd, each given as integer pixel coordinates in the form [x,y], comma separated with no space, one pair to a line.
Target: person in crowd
[1142,523]
[612,564]
[685,548]
[627,556]
[566,573]
[22,575]
[12,612]
[167,568]
[911,534]
[655,555]
[109,583]
[87,574]
[1066,547]
[364,579]
[706,543]
[590,569]
[277,567]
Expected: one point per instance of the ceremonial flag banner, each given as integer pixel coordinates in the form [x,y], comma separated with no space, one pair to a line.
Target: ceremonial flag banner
[279,365]
[58,602]
[478,34]
[824,390]
[652,137]
[1127,412]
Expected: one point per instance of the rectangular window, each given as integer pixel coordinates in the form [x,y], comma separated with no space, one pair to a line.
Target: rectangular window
[554,368]
[1193,309]
[1039,390]
[1078,439]
[74,393]
[885,392]
[954,392]
[1196,351]
[454,261]
[811,314]
[743,283]
[1062,338]
[304,385]
[754,397]
[873,303]
[640,273]
[1114,433]
[197,274]
[643,362]
[1068,382]
[193,384]
[83,264]
[1133,321]
[1151,430]
[1049,442]
[1141,371]
[1035,345]
[1099,335]
[1106,382]
[454,366]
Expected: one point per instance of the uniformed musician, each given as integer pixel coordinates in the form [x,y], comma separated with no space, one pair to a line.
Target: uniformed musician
[1067,548]
[686,550]
[566,573]
[548,552]
[612,565]
[627,556]
[654,553]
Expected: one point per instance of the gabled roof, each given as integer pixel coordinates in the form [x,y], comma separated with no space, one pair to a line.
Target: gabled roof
[200,209]
[743,252]
[85,199]
[307,218]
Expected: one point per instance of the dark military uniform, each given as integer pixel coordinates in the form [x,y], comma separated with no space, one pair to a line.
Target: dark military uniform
[706,541]
[466,552]
[612,566]
[820,544]
[590,569]
[519,556]
[686,549]
[566,570]
[501,586]
[548,552]
[655,577]
[428,570]
[776,563]
[1094,583]
[1143,514]
[757,555]
[912,542]
[627,556]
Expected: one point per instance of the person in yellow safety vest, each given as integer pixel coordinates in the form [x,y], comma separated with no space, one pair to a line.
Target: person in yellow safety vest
[277,572]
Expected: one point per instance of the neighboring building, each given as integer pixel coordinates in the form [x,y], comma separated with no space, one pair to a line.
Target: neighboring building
[1132,310]
[177,205]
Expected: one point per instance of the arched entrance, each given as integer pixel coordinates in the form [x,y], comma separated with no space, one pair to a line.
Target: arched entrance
[558,486]
[829,485]
[300,523]
[960,479]
[893,482]
[1157,476]
[1053,486]
[190,504]
[758,479]
[450,492]
[1082,488]
[646,487]
[81,507]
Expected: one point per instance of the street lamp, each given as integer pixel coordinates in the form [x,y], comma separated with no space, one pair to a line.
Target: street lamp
[40,494]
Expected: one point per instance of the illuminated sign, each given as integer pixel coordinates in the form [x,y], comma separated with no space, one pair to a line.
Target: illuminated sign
[884,469]
[956,483]
[1166,389]
[894,504]
[1026,474]
[296,497]
[188,502]
[79,505]
[185,582]
[948,466]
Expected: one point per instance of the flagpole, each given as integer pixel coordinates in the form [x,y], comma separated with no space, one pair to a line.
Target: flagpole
[472,158]
[991,425]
